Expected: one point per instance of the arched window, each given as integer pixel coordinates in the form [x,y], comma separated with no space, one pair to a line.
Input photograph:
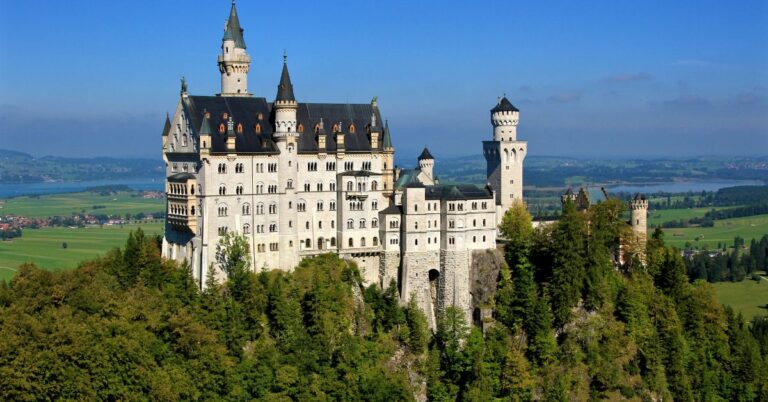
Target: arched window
[374,185]
[300,128]
[350,223]
[362,242]
[362,223]
[260,116]
[222,190]
[246,229]
[350,186]
[246,209]
[375,241]
[351,242]
[374,223]
[239,128]
[308,243]
[333,242]
[222,128]
[192,211]
[352,128]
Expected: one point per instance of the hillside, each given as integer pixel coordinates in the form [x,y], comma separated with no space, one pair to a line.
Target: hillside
[18,167]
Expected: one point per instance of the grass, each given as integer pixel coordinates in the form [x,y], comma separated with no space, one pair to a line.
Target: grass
[657,217]
[65,204]
[750,227]
[747,296]
[44,246]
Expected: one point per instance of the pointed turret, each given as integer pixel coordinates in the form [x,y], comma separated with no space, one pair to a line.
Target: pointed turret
[205,132]
[387,138]
[426,165]
[285,88]
[167,127]
[285,106]
[233,31]
[425,154]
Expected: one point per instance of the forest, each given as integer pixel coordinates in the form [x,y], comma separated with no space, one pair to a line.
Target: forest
[570,323]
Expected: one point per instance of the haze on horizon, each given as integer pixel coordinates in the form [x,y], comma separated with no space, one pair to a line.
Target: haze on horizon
[84,78]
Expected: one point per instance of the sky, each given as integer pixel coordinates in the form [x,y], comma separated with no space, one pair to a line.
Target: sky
[591,79]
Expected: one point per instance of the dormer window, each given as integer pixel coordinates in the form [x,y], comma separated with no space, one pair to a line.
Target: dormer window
[352,128]
[260,116]
[239,128]
[222,128]
[336,128]
[300,128]
[257,128]
[225,116]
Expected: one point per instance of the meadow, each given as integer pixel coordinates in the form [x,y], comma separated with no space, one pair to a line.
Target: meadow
[750,227]
[747,296]
[120,203]
[44,246]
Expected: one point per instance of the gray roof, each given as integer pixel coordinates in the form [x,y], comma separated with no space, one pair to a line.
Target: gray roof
[167,127]
[457,192]
[285,88]
[205,127]
[425,154]
[504,105]
[392,210]
[233,30]
[246,110]
[181,176]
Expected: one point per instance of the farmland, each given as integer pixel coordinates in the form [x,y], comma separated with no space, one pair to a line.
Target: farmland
[748,297]
[44,247]
[750,227]
[120,203]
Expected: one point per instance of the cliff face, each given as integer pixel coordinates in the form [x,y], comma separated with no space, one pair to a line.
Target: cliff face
[484,274]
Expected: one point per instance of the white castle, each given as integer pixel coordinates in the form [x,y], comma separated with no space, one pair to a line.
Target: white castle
[301,179]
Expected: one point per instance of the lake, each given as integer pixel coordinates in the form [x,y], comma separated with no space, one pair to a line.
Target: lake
[13,190]
[682,187]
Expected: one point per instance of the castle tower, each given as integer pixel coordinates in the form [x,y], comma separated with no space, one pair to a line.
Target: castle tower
[234,62]
[286,137]
[389,161]
[426,166]
[504,156]
[639,216]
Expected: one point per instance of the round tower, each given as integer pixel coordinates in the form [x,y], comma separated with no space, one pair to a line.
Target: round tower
[639,215]
[234,62]
[504,118]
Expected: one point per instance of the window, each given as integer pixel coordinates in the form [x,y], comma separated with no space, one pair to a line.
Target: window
[332,186]
[308,243]
[246,209]
[300,128]
[307,187]
[352,128]
[362,242]
[416,225]
[375,205]
[290,184]
[222,230]
[374,223]
[319,187]
[483,222]
[312,166]
[451,224]
[301,206]
[272,167]
[375,241]
[474,239]
[239,190]
[257,128]
[332,206]
[273,227]
[394,241]
[222,129]
[246,229]
[451,240]
[273,246]
[259,209]
[415,208]
[319,224]
[239,128]
[331,166]
[273,208]
[394,224]
[374,186]
[485,205]
[350,223]
[362,223]
[474,222]
[333,224]
[350,186]
[415,242]
[351,242]
[349,165]
[333,242]
[222,190]
[319,205]
[306,225]
[367,166]
[259,188]
[272,189]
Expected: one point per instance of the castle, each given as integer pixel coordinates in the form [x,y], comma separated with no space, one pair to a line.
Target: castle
[301,179]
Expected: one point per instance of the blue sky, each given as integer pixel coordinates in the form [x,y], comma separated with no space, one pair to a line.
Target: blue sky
[601,78]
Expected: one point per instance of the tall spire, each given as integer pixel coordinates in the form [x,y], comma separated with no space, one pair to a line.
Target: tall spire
[233,31]
[167,127]
[285,88]
[387,139]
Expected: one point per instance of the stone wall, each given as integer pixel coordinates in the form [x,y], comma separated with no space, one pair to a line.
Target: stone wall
[389,266]
[455,265]
[416,267]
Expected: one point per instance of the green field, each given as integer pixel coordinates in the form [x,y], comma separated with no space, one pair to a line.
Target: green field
[44,246]
[746,296]
[65,204]
[750,227]
[657,217]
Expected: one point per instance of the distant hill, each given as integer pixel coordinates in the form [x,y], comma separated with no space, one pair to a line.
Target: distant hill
[19,167]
